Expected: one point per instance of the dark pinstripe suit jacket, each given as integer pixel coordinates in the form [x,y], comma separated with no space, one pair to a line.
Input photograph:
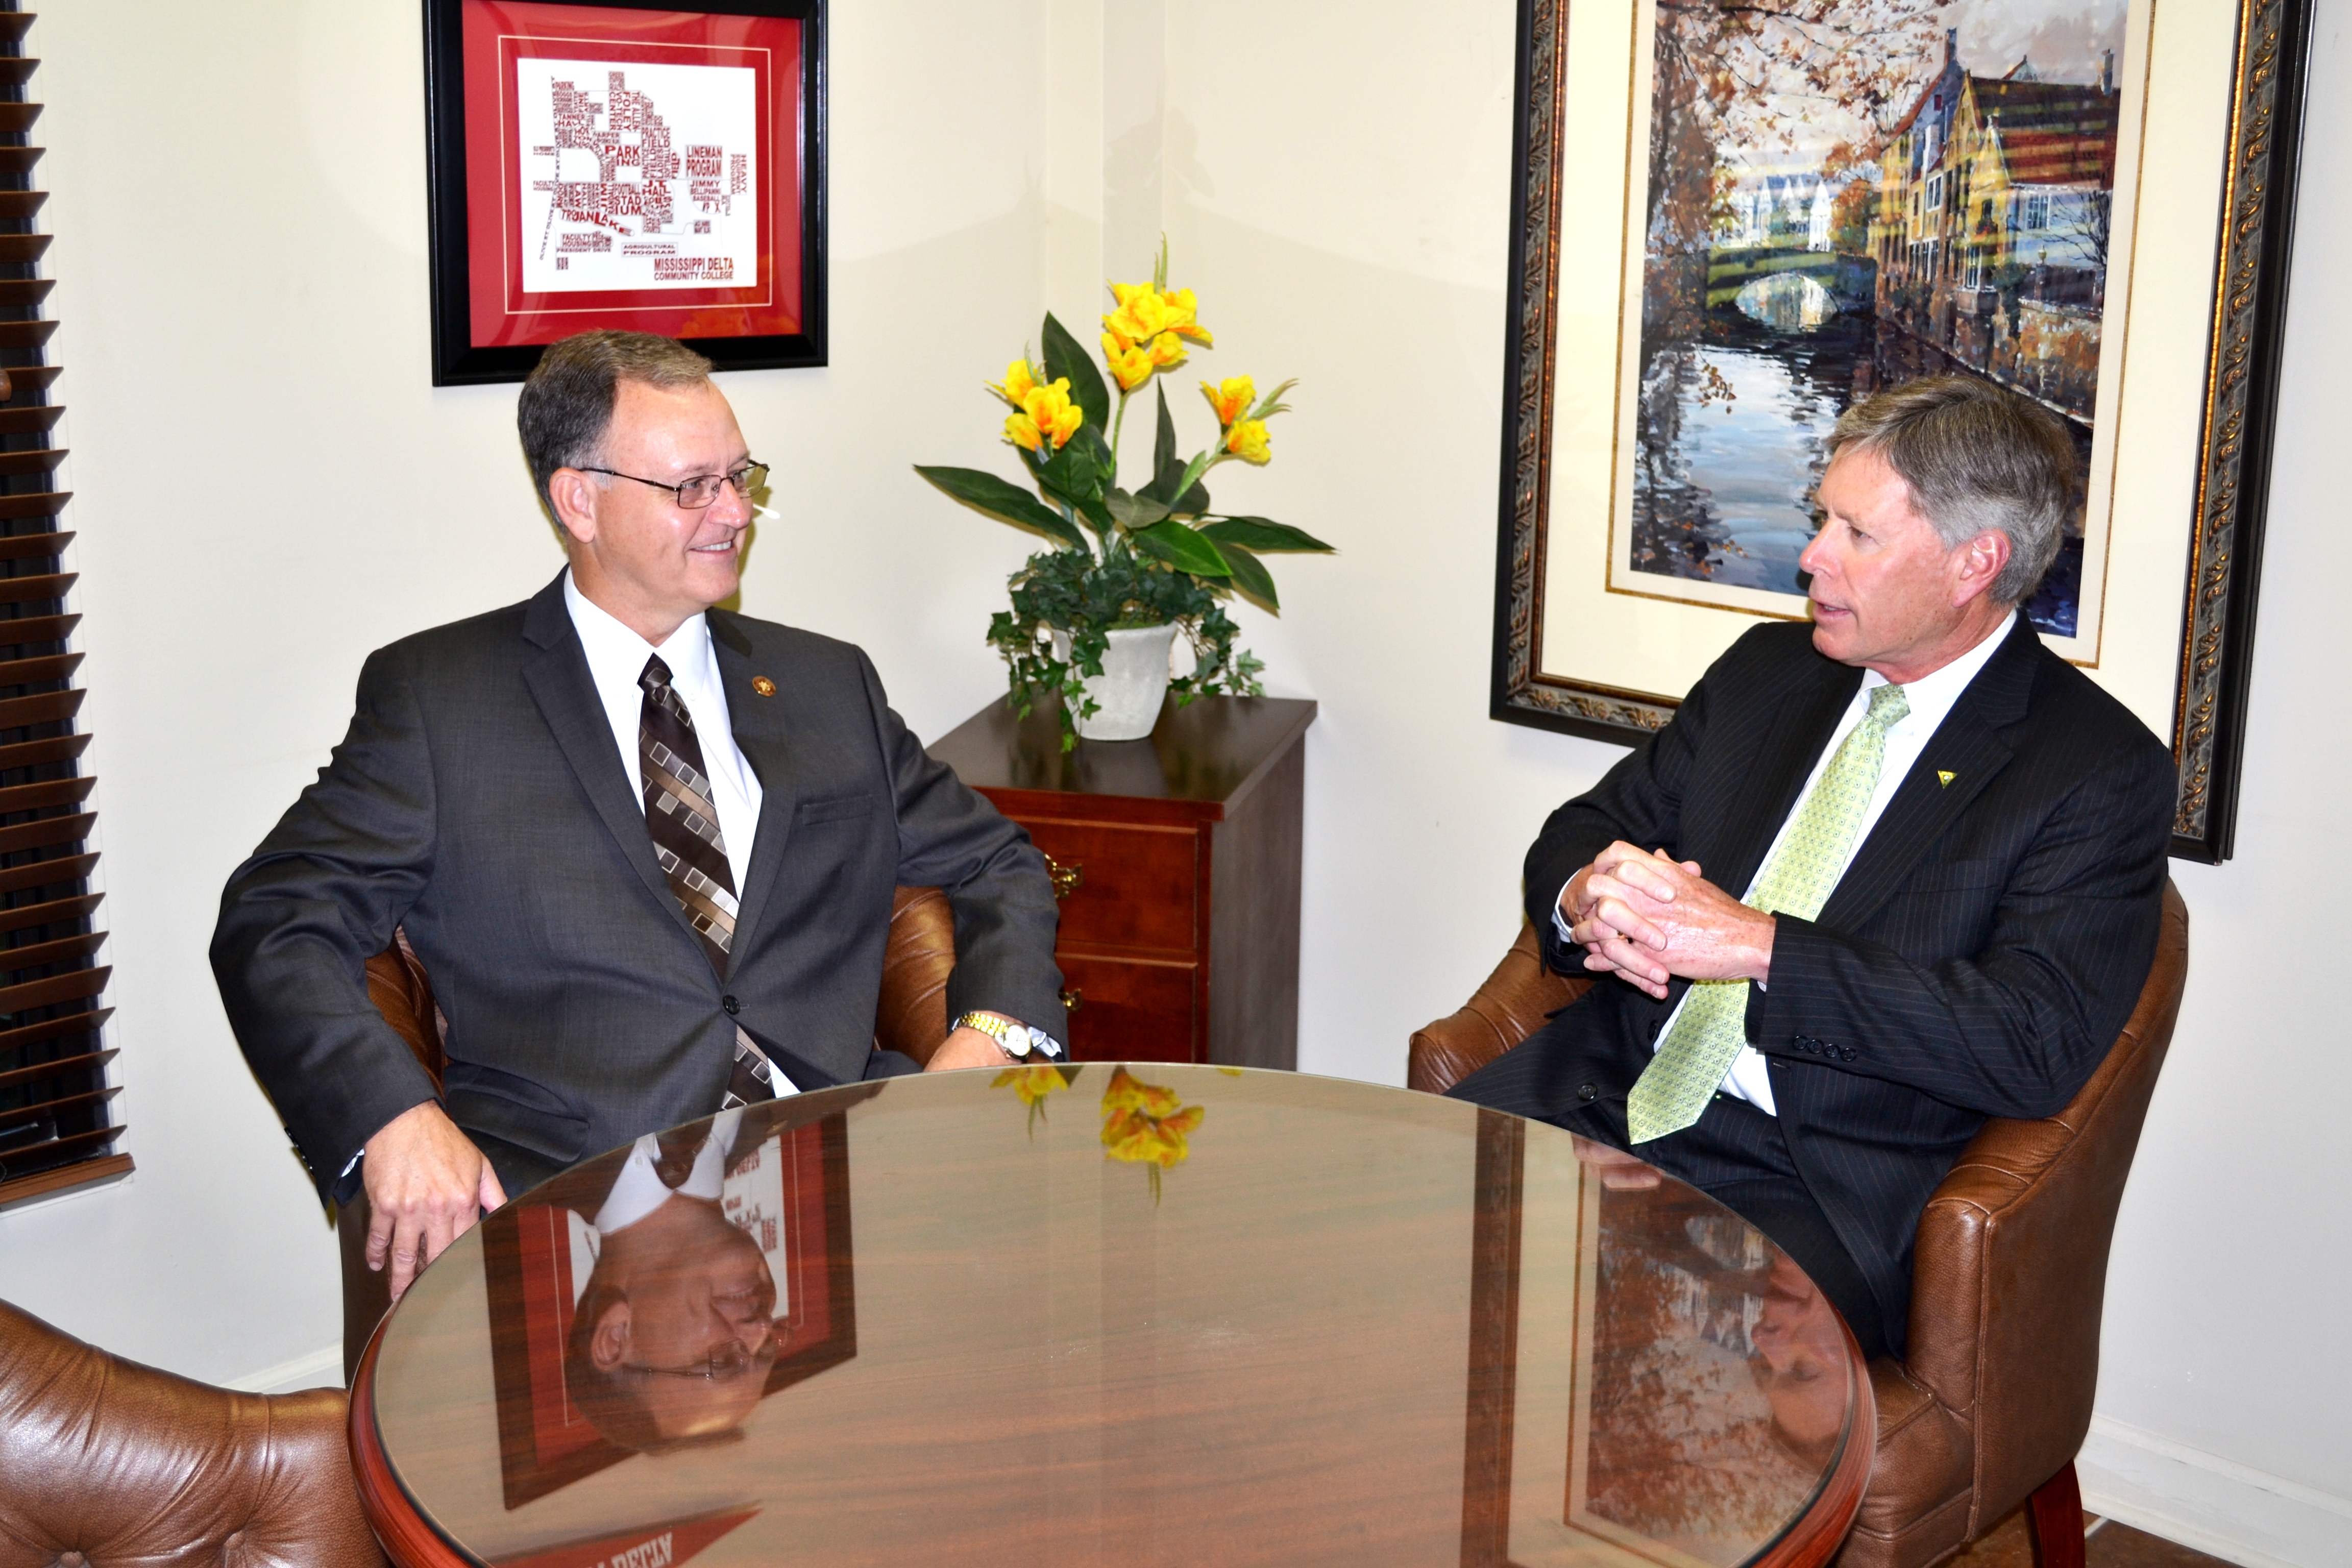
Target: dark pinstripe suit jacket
[478,800]
[1977,957]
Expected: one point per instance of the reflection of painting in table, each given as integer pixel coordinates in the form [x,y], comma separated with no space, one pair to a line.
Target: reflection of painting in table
[788,1186]
[1842,196]
[1682,1447]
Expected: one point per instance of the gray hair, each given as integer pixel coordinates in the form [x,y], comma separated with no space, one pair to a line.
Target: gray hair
[1977,459]
[566,406]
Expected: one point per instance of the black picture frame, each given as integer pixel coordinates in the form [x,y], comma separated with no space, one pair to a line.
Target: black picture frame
[457,359]
[2239,396]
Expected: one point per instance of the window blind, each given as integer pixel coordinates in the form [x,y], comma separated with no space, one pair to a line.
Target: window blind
[55,1126]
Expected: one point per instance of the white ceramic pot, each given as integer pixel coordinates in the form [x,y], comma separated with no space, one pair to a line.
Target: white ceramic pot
[1134,680]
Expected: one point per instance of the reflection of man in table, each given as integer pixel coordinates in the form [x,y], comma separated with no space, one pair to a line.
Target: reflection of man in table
[1950,846]
[1799,1363]
[674,1330]
[646,847]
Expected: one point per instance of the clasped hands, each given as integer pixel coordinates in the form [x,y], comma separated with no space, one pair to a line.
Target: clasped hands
[1649,918]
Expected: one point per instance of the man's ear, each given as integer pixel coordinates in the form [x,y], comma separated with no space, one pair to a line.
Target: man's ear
[1981,560]
[575,495]
[608,1346]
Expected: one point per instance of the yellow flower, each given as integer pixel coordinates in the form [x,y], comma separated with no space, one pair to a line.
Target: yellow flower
[1145,313]
[1232,399]
[1247,441]
[1182,309]
[1021,378]
[1115,342]
[1143,1123]
[1130,367]
[1142,314]
[1166,352]
[1032,1084]
[1046,414]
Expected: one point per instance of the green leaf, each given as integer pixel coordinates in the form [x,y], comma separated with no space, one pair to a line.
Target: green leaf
[1264,536]
[1182,548]
[1163,446]
[1006,503]
[1065,357]
[1250,576]
[1075,473]
[1095,512]
[1135,511]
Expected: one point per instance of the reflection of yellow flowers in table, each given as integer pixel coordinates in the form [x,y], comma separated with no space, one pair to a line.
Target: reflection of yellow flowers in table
[1032,1084]
[1143,1124]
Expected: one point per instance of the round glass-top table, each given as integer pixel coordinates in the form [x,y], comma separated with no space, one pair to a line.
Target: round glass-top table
[1096,1314]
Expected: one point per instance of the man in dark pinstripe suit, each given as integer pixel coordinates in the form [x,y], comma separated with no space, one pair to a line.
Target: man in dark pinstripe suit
[1987,924]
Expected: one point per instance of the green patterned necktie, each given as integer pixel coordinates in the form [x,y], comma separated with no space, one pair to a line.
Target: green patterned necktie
[1706,1036]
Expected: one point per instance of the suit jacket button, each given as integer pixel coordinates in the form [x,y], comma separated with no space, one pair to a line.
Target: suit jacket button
[1586,1093]
[732,1005]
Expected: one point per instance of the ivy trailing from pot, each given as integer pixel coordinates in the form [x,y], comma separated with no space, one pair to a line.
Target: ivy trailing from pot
[1158,559]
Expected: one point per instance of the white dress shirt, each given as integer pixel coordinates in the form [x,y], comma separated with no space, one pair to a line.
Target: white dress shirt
[1930,699]
[616,656]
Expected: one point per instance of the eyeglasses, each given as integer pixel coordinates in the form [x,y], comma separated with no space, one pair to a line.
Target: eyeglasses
[698,492]
[727,1359]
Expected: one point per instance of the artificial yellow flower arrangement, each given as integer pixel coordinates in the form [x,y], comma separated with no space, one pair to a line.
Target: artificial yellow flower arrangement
[1151,558]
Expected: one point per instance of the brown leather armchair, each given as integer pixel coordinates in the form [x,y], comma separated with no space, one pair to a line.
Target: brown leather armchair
[2008,1278]
[912,1018]
[106,1464]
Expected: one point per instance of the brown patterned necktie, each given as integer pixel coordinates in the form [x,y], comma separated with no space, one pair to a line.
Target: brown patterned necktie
[684,822]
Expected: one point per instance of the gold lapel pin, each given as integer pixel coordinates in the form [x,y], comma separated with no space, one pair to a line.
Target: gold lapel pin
[1944,778]
[766,687]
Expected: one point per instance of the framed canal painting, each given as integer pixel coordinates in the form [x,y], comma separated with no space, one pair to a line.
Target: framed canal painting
[598,164]
[1733,221]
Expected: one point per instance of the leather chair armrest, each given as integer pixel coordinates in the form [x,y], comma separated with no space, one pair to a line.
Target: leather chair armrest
[912,1014]
[1512,1005]
[108,1461]
[397,984]
[2010,1272]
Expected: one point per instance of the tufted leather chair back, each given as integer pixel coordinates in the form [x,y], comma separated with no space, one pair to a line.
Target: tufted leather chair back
[911,1017]
[108,1464]
[2008,1278]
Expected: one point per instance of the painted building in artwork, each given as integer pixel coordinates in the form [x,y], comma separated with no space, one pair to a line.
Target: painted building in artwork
[1989,230]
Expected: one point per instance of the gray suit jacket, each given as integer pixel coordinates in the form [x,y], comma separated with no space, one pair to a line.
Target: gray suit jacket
[478,800]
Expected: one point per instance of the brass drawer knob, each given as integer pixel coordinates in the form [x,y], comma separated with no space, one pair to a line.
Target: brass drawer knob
[1072,997]
[1064,878]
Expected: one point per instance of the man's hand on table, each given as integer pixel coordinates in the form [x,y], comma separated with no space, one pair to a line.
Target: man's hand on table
[1648,916]
[967,1047]
[426,1185]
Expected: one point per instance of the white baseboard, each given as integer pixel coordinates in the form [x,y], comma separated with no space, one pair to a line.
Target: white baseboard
[2216,1505]
[322,1368]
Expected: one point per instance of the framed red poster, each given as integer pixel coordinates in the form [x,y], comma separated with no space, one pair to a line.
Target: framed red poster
[601,165]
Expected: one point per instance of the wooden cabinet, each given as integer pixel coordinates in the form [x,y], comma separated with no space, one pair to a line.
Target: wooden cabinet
[1177,861]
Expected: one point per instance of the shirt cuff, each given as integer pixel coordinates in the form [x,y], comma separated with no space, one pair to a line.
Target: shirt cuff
[1559,916]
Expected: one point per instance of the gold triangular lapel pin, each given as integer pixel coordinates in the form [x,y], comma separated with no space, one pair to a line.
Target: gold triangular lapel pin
[1944,778]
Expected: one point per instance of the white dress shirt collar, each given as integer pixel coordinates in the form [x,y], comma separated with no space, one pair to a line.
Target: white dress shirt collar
[1931,697]
[616,656]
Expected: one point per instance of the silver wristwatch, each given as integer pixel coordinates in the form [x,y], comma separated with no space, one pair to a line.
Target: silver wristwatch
[1016,1041]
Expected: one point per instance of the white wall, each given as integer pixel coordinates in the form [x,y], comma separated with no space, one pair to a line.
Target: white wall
[1338,195]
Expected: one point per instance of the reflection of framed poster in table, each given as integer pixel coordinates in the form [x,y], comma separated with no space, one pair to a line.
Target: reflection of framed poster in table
[786,1188]
[600,165]
[1734,222]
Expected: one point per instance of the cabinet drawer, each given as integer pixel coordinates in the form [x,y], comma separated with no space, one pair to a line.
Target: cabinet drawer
[1128,1012]
[1137,886]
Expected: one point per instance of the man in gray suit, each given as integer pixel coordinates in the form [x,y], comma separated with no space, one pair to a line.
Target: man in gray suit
[645,847]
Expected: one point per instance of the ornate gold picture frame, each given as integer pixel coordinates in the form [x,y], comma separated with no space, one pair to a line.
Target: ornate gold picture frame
[2027,136]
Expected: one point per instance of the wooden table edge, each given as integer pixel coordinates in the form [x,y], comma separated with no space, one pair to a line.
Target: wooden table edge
[404,1533]
[1816,1537]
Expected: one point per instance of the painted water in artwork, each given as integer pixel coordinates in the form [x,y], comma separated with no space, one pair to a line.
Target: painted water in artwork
[1843,195]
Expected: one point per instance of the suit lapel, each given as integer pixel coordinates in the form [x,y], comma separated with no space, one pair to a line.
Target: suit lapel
[1967,745]
[761,734]
[556,671]
[1793,742]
